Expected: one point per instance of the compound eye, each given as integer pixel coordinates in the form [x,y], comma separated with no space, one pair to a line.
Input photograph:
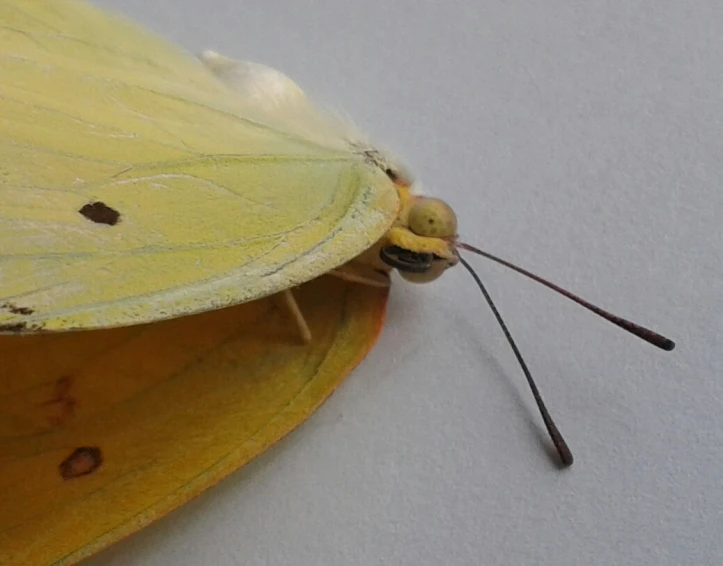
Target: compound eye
[432,218]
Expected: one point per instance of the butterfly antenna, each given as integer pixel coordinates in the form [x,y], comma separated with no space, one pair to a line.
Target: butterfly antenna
[562,448]
[640,331]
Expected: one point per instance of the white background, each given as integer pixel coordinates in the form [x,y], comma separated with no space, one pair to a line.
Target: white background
[583,140]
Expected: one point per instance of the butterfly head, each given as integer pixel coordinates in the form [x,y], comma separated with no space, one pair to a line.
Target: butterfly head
[422,243]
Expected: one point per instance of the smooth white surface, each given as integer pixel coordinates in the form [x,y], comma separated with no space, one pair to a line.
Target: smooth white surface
[582,140]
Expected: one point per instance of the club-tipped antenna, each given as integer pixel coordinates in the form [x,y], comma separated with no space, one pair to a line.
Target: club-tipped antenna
[640,331]
[562,448]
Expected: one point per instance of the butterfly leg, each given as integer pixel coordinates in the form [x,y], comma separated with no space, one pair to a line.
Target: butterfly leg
[367,269]
[298,316]
[362,274]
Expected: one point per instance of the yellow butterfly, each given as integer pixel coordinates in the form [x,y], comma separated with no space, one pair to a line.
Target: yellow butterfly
[139,184]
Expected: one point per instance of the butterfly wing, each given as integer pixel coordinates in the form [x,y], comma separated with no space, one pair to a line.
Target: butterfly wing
[135,186]
[272,98]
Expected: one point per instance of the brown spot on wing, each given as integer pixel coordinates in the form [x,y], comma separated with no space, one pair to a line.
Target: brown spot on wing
[13,308]
[100,213]
[13,327]
[20,327]
[82,461]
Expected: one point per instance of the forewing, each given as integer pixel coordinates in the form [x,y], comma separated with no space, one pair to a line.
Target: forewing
[135,188]
[274,99]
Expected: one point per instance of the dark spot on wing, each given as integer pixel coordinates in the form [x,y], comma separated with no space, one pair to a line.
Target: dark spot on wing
[13,327]
[84,460]
[19,327]
[100,213]
[61,406]
[16,309]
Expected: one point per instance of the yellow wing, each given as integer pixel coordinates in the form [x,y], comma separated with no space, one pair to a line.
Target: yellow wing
[103,432]
[135,186]
[270,97]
